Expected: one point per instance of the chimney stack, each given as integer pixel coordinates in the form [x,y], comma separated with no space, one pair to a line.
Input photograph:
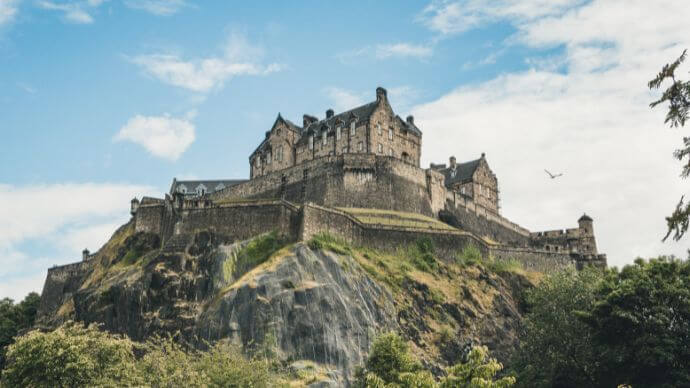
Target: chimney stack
[452,162]
[307,119]
[381,94]
[329,113]
[85,254]
[410,119]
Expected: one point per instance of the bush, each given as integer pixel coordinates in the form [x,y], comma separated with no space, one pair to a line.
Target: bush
[478,371]
[470,255]
[256,252]
[509,265]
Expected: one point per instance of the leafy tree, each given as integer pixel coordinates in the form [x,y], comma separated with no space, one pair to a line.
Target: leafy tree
[641,319]
[556,348]
[70,356]
[477,372]
[389,357]
[14,318]
[678,97]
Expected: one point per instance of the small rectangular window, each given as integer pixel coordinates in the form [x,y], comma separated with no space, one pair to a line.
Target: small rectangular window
[337,133]
[311,142]
[345,149]
[268,158]
[360,146]
[390,152]
[390,133]
[325,138]
[352,129]
[378,129]
[380,148]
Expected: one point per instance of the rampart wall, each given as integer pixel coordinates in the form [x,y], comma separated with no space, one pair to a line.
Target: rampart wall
[349,180]
[61,282]
[241,220]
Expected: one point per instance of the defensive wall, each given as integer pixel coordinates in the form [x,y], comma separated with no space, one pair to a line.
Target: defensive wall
[62,281]
[349,180]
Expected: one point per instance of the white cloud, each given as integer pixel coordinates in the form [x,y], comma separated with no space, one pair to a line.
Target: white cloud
[78,12]
[344,99]
[163,136]
[203,75]
[450,17]
[157,7]
[60,218]
[403,50]
[591,122]
[8,11]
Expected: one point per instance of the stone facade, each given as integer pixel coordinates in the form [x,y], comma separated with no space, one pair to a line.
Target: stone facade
[372,128]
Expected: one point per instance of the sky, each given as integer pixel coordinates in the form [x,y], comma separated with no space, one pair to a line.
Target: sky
[105,100]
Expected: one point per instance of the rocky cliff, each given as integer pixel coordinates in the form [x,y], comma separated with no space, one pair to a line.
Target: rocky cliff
[320,300]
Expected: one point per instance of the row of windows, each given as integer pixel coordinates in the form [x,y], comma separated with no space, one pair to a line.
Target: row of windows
[380,131]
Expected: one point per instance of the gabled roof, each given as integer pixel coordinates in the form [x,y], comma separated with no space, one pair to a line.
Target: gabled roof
[211,185]
[361,113]
[462,173]
[280,118]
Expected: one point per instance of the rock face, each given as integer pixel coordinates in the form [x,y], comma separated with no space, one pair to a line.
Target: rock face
[297,301]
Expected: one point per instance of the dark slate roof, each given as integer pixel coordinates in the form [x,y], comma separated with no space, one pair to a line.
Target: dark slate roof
[410,126]
[362,113]
[463,172]
[585,217]
[210,184]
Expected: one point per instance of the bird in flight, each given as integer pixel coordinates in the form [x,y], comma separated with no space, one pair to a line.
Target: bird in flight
[553,176]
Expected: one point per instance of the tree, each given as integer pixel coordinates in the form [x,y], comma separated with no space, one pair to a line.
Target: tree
[678,97]
[556,348]
[70,356]
[641,319]
[478,372]
[14,318]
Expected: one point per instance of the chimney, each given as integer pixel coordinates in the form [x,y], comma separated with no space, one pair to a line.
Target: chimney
[483,155]
[135,206]
[307,119]
[329,113]
[381,94]
[452,162]
[85,254]
[410,119]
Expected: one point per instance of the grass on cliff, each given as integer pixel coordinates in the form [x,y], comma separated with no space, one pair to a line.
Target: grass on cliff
[256,252]
[471,255]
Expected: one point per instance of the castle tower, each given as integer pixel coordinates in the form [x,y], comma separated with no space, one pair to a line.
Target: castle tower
[85,254]
[587,243]
[134,206]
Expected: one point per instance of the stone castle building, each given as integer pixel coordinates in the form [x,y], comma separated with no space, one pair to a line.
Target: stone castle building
[357,175]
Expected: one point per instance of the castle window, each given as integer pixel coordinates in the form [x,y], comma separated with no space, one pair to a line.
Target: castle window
[268,158]
[360,146]
[390,152]
[378,128]
[345,149]
[220,187]
[337,132]
[201,190]
[182,189]
[390,133]
[352,129]
[325,137]
[380,148]
[311,142]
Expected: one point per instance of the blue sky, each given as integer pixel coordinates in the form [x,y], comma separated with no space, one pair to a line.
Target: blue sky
[104,100]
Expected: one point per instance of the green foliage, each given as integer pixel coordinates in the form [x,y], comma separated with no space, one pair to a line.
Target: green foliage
[601,328]
[70,356]
[470,255]
[390,365]
[509,265]
[557,348]
[641,318]
[75,356]
[256,252]
[331,243]
[478,372]
[678,97]
[422,255]
[16,317]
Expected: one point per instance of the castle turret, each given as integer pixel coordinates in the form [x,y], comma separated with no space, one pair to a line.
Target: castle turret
[85,254]
[134,206]
[587,243]
[381,94]
[452,162]
[329,113]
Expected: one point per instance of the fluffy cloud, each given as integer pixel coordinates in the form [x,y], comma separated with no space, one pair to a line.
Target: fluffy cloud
[203,75]
[62,219]
[158,7]
[78,12]
[591,122]
[8,11]
[403,50]
[163,136]
[450,17]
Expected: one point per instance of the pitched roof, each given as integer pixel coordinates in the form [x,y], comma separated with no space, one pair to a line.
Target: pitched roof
[211,185]
[362,113]
[463,172]
[585,217]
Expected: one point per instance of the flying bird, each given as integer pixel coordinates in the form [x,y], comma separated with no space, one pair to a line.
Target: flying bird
[553,176]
